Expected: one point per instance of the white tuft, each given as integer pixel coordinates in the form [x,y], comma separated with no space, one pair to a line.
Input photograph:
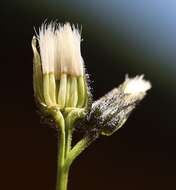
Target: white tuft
[60,49]
[136,85]
[47,43]
[69,54]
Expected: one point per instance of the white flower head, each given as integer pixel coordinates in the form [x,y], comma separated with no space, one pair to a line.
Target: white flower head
[135,86]
[60,49]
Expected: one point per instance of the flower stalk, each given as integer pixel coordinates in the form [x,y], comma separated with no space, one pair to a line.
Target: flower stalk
[63,97]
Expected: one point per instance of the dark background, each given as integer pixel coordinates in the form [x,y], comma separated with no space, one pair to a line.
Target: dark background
[119,37]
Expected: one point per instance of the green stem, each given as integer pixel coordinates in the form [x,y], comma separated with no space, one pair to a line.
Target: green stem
[79,148]
[62,171]
[66,155]
[68,141]
[70,122]
[63,179]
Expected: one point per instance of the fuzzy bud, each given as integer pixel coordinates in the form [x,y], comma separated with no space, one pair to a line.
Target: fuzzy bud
[111,111]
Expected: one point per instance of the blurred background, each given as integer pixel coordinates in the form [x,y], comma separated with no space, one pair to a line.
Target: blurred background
[119,37]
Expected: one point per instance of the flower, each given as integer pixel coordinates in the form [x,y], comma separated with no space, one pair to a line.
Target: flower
[110,112]
[59,76]
[60,50]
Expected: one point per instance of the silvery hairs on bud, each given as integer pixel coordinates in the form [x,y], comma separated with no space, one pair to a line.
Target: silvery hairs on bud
[111,111]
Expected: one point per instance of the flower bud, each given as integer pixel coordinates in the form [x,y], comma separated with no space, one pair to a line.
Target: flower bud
[111,111]
[59,76]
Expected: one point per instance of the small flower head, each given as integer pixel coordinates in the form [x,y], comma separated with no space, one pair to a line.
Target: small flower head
[62,66]
[111,111]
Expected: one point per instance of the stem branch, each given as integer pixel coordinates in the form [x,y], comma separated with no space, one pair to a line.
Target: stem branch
[79,148]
